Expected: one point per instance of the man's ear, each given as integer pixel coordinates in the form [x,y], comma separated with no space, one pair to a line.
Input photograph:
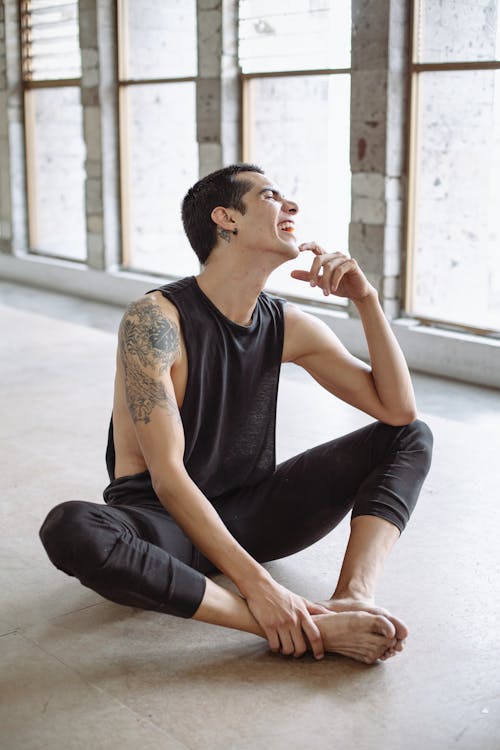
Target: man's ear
[223,218]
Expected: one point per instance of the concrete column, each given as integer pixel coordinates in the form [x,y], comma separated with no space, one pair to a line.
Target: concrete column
[218,89]
[380,39]
[13,206]
[98,96]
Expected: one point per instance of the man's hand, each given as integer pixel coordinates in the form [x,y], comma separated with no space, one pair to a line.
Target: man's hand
[285,618]
[335,273]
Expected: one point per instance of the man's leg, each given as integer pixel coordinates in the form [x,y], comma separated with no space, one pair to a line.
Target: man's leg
[132,555]
[102,546]
[370,541]
[372,538]
[362,636]
[377,471]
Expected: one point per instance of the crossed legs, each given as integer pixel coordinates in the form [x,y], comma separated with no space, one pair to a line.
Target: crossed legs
[356,627]
[137,556]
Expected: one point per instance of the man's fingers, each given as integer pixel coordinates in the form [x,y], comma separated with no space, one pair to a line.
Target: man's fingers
[301,275]
[312,247]
[339,272]
[316,609]
[314,637]
[287,644]
[273,640]
[315,269]
[300,646]
[326,279]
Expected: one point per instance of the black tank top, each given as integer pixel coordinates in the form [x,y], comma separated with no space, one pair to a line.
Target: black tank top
[229,408]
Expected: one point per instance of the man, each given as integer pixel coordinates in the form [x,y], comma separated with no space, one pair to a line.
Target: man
[194,487]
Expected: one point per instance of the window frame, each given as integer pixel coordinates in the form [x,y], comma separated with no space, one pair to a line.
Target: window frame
[415,70]
[123,84]
[29,127]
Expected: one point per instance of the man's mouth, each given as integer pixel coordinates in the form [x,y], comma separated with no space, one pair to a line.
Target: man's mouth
[287,226]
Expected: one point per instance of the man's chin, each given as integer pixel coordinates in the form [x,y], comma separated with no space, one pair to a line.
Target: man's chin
[291,248]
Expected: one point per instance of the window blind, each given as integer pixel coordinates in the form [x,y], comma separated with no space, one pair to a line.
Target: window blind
[50,40]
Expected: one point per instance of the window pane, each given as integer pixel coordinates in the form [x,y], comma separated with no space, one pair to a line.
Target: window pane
[314,171]
[294,35]
[161,38]
[162,165]
[56,171]
[457,243]
[458,30]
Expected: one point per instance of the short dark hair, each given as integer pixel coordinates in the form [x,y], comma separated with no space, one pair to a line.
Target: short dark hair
[218,188]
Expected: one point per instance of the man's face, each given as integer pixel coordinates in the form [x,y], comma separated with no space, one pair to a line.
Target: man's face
[268,223]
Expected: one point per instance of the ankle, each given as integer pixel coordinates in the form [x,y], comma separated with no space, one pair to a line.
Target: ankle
[358,593]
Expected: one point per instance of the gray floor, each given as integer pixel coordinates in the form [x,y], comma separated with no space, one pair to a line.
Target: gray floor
[77,671]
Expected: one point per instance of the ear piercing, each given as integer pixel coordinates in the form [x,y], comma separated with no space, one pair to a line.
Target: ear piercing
[235,231]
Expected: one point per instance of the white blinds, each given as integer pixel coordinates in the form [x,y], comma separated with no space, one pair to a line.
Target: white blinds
[294,35]
[50,41]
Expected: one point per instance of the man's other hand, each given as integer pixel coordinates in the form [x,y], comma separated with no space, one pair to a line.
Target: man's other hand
[334,273]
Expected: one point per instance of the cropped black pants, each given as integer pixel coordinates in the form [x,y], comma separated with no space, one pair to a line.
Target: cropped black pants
[131,550]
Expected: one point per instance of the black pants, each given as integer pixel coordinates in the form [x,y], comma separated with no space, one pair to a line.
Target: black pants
[132,551]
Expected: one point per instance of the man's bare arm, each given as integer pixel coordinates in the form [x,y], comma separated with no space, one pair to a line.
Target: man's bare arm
[149,346]
[384,389]
[148,341]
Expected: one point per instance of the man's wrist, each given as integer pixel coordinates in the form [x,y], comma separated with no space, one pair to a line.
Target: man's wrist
[370,297]
[252,580]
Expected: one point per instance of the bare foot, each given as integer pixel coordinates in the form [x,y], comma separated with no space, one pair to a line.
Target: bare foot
[348,604]
[359,635]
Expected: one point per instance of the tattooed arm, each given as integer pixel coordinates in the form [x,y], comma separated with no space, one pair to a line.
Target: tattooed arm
[149,346]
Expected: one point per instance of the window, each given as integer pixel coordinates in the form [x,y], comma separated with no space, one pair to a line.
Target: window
[158,147]
[295,61]
[454,218]
[55,149]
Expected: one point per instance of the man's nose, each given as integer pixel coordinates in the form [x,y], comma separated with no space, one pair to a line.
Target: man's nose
[291,207]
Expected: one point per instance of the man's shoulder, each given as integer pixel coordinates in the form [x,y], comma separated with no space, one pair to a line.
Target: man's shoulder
[173,288]
[151,307]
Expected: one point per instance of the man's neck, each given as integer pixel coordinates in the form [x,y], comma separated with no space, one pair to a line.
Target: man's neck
[233,289]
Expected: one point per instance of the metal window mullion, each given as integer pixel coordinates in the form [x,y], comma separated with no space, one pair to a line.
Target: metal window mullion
[122,48]
[125,155]
[147,81]
[291,73]
[412,196]
[50,84]
[31,179]
[451,66]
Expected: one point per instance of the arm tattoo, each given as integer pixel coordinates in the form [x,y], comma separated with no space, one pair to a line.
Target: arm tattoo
[147,339]
[148,334]
[144,393]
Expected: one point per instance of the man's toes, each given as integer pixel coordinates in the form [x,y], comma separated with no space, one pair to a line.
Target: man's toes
[401,629]
[387,655]
[383,626]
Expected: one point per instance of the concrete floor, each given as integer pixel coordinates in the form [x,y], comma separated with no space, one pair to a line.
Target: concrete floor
[78,671]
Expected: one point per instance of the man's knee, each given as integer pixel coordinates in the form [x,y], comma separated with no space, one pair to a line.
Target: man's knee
[419,439]
[70,539]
